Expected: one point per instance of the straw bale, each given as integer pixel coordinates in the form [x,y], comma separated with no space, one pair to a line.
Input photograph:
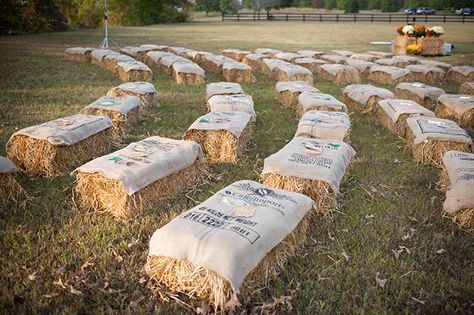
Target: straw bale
[365,57]
[324,125]
[288,92]
[442,65]
[10,189]
[267,51]
[421,93]
[235,54]
[145,91]
[339,74]
[131,51]
[152,58]
[460,74]
[110,61]
[409,59]
[254,61]
[311,64]
[392,62]
[213,63]
[133,71]
[457,107]
[467,88]
[287,56]
[291,72]
[82,54]
[344,53]
[431,46]
[97,56]
[268,65]
[318,101]
[310,53]
[389,75]
[237,72]
[426,74]
[364,97]
[180,51]
[361,65]
[166,63]
[223,88]
[334,59]
[188,73]
[401,43]
[381,54]
[232,103]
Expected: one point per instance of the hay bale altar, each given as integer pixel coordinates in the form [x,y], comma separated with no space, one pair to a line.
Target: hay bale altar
[223,88]
[288,92]
[314,167]
[188,73]
[393,114]
[223,136]
[235,54]
[82,54]
[460,74]
[254,61]
[361,65]
[339,74]
[145,91]
[459,204]
[57,146]
[232,103]
[237,72]
[389,75]
[426,74]
[364,97]
[457,107]
[311,64]
[9,187]
[291,72]
[251,231]
[421,93]
[467,88]
[140,176]
[310,53]
[430,138]
[319,101]
[130,71]
[324,125]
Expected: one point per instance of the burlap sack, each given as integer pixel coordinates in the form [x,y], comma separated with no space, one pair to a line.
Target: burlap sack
[78,53]
[424,128]
[237,72]
[421,93]
[461,74]
[287,56]
[110,61]
[309,53]
[365,57]
[214,63]
[153,47]
[130,50]
[145,91]
[427,74]
[311,64]
[316,159]
[232,231]
[460,168]
[187,68]
[6,166]
[223,88]
[361,65]
[324,125]
[467,88]
[153,57]
[458,107]
[235,54]
[267,51]
[344,53]
[381,54]
[392,62]
[339,74]
[180,51]
[234,122]
[254,61]
[334,58]
[67,130]
[128,66]
[395,108]
[97,55]
[364,97]
[268,65]
[291,72]
[166,62]
[137,88]
[232,103]
[389,75]
[141,163]
[409,59]
[123,105]
[288,92]
[319,101]
[442,65]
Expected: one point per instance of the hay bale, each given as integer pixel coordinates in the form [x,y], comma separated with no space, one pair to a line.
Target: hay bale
[339,74]
[344,53]
[166,63]
[268,65]
[460,74]
[408,59]
[291,72]
[223,136]
[235,54]
[421,93]
[198,56]
[392,62]
[213,63]
[152,58]
[142,51]
[457,107]
[145,91]
[430,138]
[426,74]
[288,92]
[400,45]
[238,72]
[82,54]
[131,51]
[223,88]
[245,222]
[153,47]
[467,88]
[431,46]
[192,54]
[232,103]
[9,187]
[180,51]
[141,176]
[311,64]
[314,167]
[130,71]
[392,114]
[364,57]
[97,56]
[57,146]
[188,73]
[310,53]
[324,125]
[318,101]
[110,61]
[334,59]
[459,204]
[389,75]
[287,56]
[442,65]
[362,66]
[254,61]
[364,97]
[123,111]
[267,51]
[381,54]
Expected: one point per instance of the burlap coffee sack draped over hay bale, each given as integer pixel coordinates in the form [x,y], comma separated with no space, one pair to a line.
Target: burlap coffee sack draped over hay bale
[334,59]
[188,73]
[393,114]
[362,66]
[458,169]
[82,54]
[460,74]
[430,138]
[314,167]
[166,63]
[389,75]
[288,92]
[365,57]
[131,51]
[57,146]
[232,103]
[311,64]
[180,51]
[408,59]
[310,53]
[344,53]
[130,71]
[267,51]
[97,56]
[287,56]
[123,111]
[426,74]
[467,88]
[238,72]
[268,65]
[318,101]
[110,61]
[442,65]
[381,54]
[392,62]
[324,125]
[153,47]
[139,177]
[364,97]
[339,74]
[152,58]
[213,63]
[291,72]
[457,107]
[223,88]
[197,56]
[235,54]
[254,61]
[232,243]
[421,93]
[223,136]
[142,51]
[145,91]
[10,189]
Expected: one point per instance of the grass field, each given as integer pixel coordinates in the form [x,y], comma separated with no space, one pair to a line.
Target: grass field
[58,259]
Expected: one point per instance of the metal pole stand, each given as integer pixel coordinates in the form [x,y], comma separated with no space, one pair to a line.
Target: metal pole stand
[107,39]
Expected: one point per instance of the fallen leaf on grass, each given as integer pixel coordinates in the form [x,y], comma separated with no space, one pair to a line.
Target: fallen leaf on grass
[32,277]
[142,280]
[418,300]
[409,234]
[87,264]
[51,295]
[397,161]
[59,283]
[118,258]
[440,251]
[347,257]
[369,216]
[332,238]
[380,282]
[74,291]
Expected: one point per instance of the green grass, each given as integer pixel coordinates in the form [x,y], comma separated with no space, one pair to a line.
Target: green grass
[385,197]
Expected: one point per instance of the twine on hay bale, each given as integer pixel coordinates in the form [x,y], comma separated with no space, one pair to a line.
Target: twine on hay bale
[278,241]
[467,88]
[318,101]
[460,74]
[421,93]
[10,189]
[145,91]
[339,74]
[361,65]
[324,125]
[238,72]
[364,97]
[426,74]
[41,157]
[430,138]
[81,54]
[311,64]
[254,61]
[389,75]
[457,107]
[130,71]
[288,92]
[235,54]
[188,73]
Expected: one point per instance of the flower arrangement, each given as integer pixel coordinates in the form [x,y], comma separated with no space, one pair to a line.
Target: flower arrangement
[420,31]
[408,30]
[435,31]
[413,49]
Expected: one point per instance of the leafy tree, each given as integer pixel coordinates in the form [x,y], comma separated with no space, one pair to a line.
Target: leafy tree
[390,5]
[351,6]
[330,4]
[374,4]
[207,6]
